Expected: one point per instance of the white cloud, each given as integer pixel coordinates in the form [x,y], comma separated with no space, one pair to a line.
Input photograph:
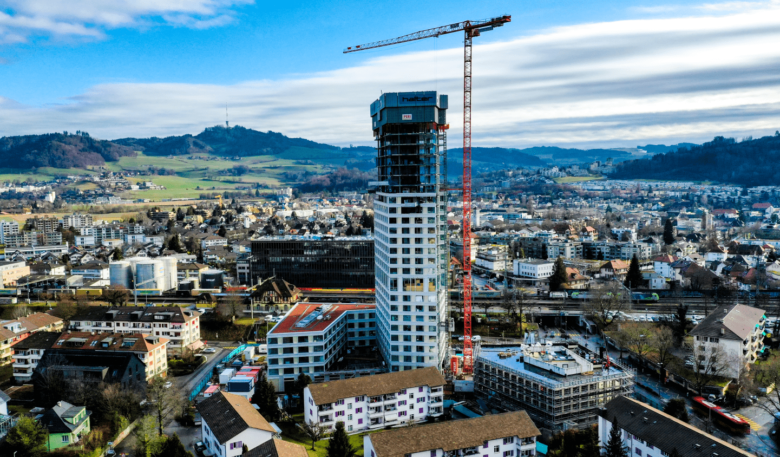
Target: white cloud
[91,18]
[607,84]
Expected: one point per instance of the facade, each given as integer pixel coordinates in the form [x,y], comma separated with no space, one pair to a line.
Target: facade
[230,422]
[492,259]
[534,269]
[44,224]
[92,367]
[32,238]
[14,331]
[11,271]
[372,403]
[734,335]
[8,228]
[497,435]
[150,349]
[559,385]
[213,241]
[93,270]
[77,221]
[648,432]
[410,223]
[180,326]
[567,249]
[315,261]
[313,337]
[28,352]
[66,424]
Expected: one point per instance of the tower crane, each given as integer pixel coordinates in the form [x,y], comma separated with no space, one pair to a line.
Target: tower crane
[471,30]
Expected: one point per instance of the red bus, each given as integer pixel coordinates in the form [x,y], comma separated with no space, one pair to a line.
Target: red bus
[721,417]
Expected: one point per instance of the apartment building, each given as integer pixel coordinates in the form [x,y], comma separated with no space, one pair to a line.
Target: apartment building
[77,221]
[492,259]
[33,238]
[212,241]
[557,385]
[732,334]
[44,224]
[510,434]
[648,432]
[566,249]
[11,271]
[375,402]
[410,223]
[13,331]
[8,228]
[312,337]
[150,349]
[28,352]
[180,326]
[93,270]
[534,269]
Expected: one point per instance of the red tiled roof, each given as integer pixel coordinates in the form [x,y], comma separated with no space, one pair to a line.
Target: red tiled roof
[301,310]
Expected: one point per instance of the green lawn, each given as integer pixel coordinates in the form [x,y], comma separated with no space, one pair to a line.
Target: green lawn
[293,434]
[571,179]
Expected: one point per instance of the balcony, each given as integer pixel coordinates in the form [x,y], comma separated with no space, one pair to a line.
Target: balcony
[390,397]
[375,412]
[375,399]
[436,400]
[326,408]
[326,420]
[390,409]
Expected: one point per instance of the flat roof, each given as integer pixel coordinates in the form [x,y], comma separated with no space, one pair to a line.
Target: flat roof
[316,317]
[493,355]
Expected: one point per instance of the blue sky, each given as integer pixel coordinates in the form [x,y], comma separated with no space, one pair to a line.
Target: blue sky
[569,73]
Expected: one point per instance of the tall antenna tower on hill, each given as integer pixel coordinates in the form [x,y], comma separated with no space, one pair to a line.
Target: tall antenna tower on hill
[227,124]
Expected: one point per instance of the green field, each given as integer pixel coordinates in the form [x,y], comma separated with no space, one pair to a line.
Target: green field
[571,179]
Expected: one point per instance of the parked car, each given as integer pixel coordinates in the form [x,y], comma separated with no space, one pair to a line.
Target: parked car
[476,338]
[209,350]
[200,447]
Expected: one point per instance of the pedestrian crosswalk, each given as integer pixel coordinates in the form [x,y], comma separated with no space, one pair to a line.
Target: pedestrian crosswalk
[753,425]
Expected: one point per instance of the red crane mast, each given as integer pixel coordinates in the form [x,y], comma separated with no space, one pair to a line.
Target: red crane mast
[471,29]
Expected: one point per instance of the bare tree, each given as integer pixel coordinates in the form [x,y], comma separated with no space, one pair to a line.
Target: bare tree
[314,431]
[634,338]
[767,374]
[231,306]
[116,295]
[662,340]
[709,363]
[606,304]
[20,310]
[162,399]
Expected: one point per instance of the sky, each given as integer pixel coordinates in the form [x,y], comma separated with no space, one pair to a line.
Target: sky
[562,73]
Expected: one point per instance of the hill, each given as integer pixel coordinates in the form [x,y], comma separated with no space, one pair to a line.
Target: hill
[236,142]
[59,150]
[498,156]
[749,163]
[662,148]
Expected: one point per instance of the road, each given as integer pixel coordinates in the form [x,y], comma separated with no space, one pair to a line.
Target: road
[182,386]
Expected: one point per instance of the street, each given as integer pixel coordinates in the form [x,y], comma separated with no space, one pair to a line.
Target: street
[182,386]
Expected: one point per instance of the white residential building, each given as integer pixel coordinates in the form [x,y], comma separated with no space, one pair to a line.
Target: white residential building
[648,432]
[734,334]
[663,266]
[312,337]
[372,403]
[8,228]
[230,422]
[534,269]
[213,240]
[410,223]
[180,326]
[510,434]
[77,221]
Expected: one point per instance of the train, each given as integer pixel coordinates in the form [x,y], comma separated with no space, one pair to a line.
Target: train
[721,417]
[635,296]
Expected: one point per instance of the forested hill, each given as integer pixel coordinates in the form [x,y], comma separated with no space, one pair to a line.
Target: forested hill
[497,155]
[749,163]
[237,141]
[59,150]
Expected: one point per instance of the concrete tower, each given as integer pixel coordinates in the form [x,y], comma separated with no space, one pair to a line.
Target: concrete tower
[410,226]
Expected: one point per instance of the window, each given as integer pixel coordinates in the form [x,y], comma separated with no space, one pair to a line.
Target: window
[637,451]
[65,438]
[495,448]
[236,445]
[509,453]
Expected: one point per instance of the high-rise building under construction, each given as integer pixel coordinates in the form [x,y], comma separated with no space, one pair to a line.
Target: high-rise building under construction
[410,223]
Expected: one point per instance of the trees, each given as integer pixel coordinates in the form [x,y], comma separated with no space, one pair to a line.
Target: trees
[608,302]
[27,437]
[765,374]
[590,445]
[117,254]
[681,324]
[147,438]
[222,231]
[615,447]
[173,447]
[559,276]
[634,276]
[669,232]
[676,408]
[20,310]
[339,445]
[709,363]
[662,340]
[174,244]
[265,399]
[634,338]
[314,431]
[116,295]
[300,383]
[162,399]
